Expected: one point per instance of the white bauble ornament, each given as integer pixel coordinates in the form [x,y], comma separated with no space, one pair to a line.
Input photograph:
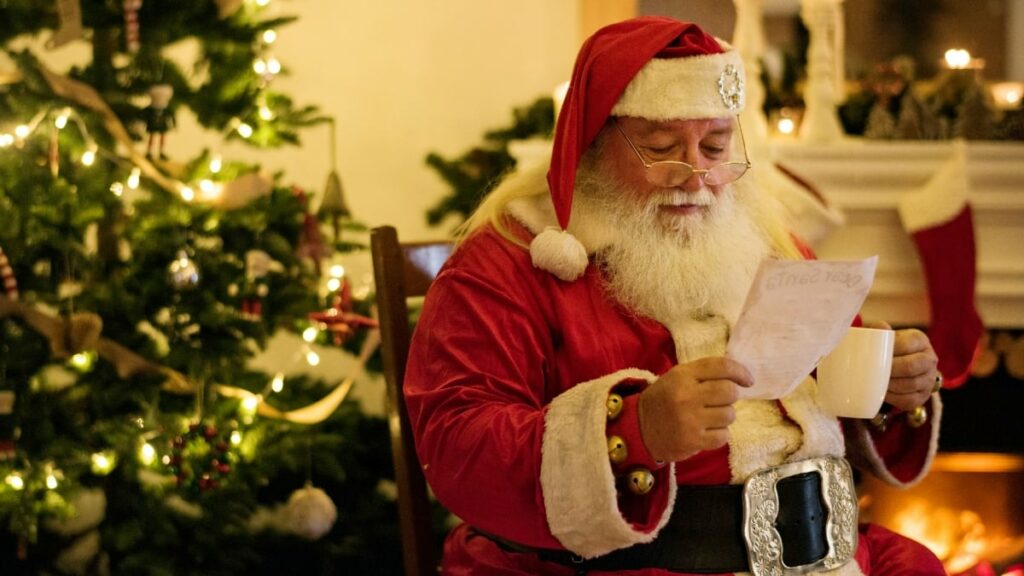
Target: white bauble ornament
[310,513]
[183,271]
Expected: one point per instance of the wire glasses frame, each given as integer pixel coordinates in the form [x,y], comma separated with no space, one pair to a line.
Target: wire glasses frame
[674,173]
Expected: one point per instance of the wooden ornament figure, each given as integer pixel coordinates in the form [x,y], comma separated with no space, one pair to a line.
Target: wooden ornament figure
[159,118]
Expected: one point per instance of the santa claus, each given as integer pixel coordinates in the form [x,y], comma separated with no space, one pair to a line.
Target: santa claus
[567,384]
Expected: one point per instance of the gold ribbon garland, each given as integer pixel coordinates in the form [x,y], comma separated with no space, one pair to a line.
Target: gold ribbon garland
[82,331]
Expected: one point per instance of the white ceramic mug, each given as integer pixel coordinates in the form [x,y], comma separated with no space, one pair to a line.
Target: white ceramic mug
[853,377]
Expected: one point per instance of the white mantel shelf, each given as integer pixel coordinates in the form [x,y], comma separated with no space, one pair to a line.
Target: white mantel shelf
[866,179]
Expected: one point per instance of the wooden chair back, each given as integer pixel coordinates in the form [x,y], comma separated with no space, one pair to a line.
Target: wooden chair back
[402,271]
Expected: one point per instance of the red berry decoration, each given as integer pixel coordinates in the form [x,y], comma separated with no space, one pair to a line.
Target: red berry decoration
[199,458]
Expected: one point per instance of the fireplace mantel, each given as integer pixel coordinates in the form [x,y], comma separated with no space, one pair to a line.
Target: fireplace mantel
[865,180]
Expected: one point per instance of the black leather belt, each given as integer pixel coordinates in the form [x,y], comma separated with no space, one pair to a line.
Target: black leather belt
[704,534]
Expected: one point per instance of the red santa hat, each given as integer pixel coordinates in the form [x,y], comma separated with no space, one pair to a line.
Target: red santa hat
[649,67]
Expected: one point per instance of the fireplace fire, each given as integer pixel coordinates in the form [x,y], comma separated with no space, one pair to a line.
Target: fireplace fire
[969,510]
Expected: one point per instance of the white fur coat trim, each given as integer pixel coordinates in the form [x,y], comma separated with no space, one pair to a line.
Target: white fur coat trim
[864,454]
[576,477]
[761,436]
[681,88]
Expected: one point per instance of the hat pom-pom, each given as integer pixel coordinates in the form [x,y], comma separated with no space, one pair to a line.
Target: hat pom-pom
[559,253]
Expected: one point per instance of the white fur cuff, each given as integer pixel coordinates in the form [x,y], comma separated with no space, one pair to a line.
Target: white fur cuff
[575,474]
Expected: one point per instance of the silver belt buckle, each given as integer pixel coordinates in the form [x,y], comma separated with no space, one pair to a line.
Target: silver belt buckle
[761,508]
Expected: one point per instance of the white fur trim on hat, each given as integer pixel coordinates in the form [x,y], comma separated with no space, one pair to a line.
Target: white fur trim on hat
[576,478]
[560,253]
[707,86]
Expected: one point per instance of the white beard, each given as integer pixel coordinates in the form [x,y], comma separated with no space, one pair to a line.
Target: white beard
[691,267]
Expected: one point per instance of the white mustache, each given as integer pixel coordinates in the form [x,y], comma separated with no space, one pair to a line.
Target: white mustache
[702,197]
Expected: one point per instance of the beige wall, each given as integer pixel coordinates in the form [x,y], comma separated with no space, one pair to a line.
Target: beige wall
[405,77]
[595,14]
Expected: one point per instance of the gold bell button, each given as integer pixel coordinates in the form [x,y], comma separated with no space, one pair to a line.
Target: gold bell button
[614,406]
[880,421]
[617,449]
[917,417]
[641,480]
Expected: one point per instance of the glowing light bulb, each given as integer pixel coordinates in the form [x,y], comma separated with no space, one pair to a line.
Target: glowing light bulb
[244,130]
[266,113]
[312,358]
[259,66]
[117,189]
[236,438]
[147,454]
[210,189]
[249,405]
[310,334]
[88,158]
[103,462]
[269,36]
[6,140]
[22,131]
[14,480]
[957,58]
[62,120]
[278,384]
[273,66]
[51,482]
[216,163]
[333,284]
[134,177]
[262,2]
[786,126]
[83,361]
[187,194]
[337,271]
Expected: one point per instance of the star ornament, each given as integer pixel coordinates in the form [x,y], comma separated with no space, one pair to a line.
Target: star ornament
[340,319]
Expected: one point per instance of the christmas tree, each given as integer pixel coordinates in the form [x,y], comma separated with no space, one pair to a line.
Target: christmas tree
[135,435]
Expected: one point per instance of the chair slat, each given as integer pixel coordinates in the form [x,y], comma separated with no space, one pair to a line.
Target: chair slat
[402,271]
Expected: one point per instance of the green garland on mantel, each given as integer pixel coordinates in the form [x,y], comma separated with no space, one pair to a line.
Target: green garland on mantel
[474,173]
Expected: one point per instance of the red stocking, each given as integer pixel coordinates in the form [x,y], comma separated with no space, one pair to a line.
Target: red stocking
[938,218]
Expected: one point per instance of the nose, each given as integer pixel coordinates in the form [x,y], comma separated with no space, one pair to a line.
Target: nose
[695,182]
[691,155]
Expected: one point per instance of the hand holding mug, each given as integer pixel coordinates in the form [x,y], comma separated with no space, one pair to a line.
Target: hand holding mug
[915,371]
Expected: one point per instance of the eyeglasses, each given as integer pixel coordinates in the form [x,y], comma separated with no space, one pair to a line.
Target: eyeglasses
[673,173]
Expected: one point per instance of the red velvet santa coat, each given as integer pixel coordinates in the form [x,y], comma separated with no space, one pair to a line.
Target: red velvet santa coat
[506,387]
